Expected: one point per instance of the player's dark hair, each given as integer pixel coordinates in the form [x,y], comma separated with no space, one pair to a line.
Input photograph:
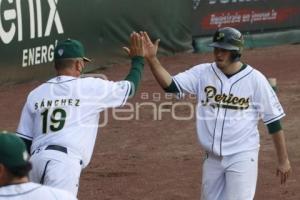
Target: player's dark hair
[20,171]
[62,64]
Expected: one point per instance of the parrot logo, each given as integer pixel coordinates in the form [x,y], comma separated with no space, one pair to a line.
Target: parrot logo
[220,36]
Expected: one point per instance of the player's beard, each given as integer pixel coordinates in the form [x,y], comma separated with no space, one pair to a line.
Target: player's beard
[222,59]
[223,64]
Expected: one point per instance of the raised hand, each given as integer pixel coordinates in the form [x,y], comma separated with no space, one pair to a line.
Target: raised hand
[150,48]
[137,44]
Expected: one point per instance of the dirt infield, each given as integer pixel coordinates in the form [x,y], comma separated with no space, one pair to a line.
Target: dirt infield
[154,157]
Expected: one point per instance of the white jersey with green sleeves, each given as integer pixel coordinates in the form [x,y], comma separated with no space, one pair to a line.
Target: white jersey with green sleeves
[65,111]
[229,109]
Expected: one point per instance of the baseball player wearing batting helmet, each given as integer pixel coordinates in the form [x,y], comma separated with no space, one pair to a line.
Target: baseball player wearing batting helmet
[232,97]
[14,169]
[60,118]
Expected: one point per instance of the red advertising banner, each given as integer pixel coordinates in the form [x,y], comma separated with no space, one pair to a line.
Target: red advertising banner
[246,15]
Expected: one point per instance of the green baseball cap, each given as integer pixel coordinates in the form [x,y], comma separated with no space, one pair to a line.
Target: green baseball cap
[13,151]
[70,49]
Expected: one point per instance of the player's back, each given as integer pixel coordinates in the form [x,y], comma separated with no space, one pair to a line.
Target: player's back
[65,111]
[33,191]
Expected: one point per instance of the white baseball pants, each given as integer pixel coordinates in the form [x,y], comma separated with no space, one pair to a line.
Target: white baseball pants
[56,169]
[230,177]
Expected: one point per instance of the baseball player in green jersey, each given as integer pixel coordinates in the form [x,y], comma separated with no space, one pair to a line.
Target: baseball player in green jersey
[60,118]
[232,97]
[14,168]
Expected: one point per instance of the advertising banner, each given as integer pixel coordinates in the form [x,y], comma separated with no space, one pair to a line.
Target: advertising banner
[30,30]
[246,15]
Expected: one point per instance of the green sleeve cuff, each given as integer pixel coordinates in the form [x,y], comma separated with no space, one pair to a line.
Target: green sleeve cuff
[135,73]
[172,88]
[274,127]
[137,61]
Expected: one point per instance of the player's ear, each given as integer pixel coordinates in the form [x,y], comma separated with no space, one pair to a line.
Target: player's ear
[78,65]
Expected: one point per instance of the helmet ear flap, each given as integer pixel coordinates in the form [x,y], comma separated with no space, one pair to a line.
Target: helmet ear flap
[235,56]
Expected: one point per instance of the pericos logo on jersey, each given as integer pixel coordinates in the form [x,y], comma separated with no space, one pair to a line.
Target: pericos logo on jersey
[223,100]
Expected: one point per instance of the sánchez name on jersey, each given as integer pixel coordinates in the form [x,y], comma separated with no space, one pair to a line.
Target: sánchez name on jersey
[56,103]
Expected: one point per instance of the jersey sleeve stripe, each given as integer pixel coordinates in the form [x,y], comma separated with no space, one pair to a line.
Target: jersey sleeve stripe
[24,136]
[178,86]
[274,119]
[127,93]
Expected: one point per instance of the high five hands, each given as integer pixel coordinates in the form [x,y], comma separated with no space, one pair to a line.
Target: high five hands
[141,45]
[150,48]
[137,45]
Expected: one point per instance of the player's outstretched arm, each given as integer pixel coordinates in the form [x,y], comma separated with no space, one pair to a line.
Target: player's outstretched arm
[136,52]
[160,73]
[284,167]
